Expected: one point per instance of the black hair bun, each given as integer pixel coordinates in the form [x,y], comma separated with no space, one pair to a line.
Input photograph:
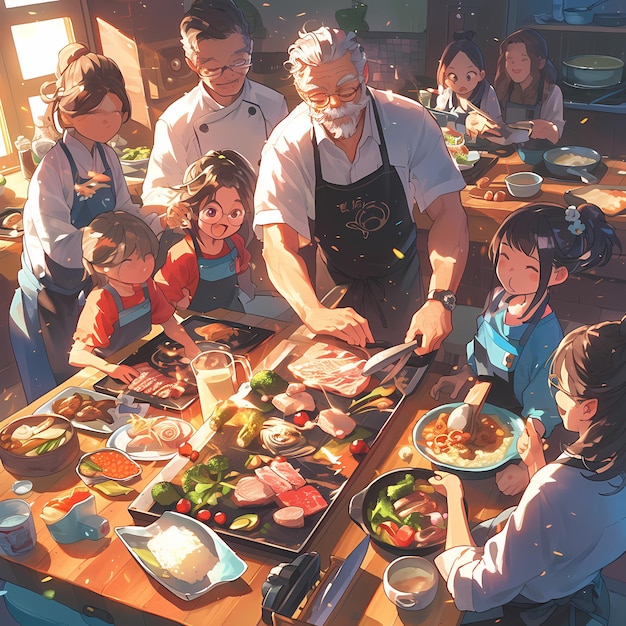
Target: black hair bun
[463,34]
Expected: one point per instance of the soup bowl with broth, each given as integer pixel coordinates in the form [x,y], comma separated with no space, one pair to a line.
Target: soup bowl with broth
[523,184]
[411,582]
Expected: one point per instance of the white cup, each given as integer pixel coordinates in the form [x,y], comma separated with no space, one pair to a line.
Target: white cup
[17,529]
[216,377]
[411,582]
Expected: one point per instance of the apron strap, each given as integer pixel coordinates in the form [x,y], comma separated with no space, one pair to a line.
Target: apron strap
[70,158]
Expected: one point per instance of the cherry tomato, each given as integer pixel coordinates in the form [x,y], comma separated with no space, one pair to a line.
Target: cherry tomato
[359,446]
[301,418]
[183,506]
[204,515]
[185,449]
[280,459]
[404,537]
[193,456]
[220,518]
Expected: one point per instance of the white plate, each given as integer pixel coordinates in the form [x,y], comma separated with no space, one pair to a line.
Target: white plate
[474,157]
[135,162]
[229,568]
[96,426]
[120,440]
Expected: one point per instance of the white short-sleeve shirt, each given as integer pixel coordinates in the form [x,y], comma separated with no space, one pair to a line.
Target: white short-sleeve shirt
[285,192]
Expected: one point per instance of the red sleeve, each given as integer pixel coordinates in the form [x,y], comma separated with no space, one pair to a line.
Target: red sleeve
[242,252]
[97,319]
[162,310]
[180,271]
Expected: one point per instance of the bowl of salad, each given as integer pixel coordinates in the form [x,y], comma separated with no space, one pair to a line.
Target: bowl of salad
[135,157]
[402,512]
[455,142]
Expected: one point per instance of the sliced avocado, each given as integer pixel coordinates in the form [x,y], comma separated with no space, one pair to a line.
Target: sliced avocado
[249,521]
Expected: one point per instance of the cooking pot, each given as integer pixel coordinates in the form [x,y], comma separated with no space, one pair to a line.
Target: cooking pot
[552,157]
[592,71]
[610,19]
[581,15]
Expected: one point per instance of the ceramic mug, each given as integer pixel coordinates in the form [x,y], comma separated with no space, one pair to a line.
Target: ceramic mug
[80,522]
[424,97]
[411,582]
[216,377]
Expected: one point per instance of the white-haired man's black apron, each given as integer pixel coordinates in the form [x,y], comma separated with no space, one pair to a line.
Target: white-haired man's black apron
[366,237]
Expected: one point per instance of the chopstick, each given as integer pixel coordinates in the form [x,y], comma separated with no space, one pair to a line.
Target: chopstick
[481,112]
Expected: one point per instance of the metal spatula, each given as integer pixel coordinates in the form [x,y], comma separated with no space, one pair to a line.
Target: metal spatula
[462,416]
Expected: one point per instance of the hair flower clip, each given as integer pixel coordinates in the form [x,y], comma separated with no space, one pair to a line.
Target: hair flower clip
[572,215]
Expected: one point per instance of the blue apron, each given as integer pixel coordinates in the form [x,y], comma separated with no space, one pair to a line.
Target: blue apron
[44,311]
[497,351]
[366,238]
[217,283]
[133,323]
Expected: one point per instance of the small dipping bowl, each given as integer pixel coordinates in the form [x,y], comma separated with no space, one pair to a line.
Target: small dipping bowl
[523,184]
[21,487]
[411,582]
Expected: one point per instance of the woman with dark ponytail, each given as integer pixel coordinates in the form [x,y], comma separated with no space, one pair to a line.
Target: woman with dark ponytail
[544,567]
[78,179]
[536,247]
[461,79]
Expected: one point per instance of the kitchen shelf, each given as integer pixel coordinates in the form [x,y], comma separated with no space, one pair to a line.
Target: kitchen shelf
[578,28]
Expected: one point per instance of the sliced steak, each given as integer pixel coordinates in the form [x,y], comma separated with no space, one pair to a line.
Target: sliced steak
[250,491]
[289,473]
[308,498]
[272,479]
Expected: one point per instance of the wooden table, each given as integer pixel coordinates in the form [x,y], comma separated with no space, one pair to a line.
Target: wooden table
[485,216]
[103,574]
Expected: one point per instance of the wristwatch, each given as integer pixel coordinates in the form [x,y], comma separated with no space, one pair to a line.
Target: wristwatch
[445,296]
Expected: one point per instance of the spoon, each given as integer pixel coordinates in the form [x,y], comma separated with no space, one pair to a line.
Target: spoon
[462,416]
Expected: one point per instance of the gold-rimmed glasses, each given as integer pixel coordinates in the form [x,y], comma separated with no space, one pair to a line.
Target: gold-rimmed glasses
[320,100]
[240,66]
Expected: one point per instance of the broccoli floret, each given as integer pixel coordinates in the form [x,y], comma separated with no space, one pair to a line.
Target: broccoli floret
[383,511]
[402,488]
[218,464]
[197,474]
[165,493]
[268,383]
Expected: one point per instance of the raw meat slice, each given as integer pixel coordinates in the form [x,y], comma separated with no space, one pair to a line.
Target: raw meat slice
[272,479]
[308,498]
[153,383]
[250,491]
[290,517]
[330,368]
[290,404]
[289,473]
[336,423]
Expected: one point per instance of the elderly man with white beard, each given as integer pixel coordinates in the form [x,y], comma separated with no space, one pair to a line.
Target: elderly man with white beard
[342,172]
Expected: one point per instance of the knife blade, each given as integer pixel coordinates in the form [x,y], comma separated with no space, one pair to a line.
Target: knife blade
[327,601]
[386,357]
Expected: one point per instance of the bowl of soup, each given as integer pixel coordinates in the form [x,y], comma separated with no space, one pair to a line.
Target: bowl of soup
[523,184]
[38,445]
[492,445]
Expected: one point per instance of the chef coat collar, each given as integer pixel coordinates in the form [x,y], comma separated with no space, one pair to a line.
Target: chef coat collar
[209,103]
[370,128]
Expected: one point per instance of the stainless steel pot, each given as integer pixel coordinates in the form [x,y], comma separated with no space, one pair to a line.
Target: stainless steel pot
[592,71]
[556,161]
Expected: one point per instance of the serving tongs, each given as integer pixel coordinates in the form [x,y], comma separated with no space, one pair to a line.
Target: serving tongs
[397,358]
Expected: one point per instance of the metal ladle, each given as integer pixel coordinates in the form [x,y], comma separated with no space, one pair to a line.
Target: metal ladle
[583,9]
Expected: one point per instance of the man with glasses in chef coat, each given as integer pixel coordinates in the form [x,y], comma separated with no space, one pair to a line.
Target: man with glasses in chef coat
[343,171]
[225,109]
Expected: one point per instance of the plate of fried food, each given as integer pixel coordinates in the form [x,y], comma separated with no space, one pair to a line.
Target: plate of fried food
[87,410]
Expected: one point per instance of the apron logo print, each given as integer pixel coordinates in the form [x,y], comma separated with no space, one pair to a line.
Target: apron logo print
[508,359]
[89,188]
[369,218]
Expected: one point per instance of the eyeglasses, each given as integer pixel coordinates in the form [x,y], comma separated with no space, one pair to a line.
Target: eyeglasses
[240,66]
[555,386]
[322,100]
[212,214]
